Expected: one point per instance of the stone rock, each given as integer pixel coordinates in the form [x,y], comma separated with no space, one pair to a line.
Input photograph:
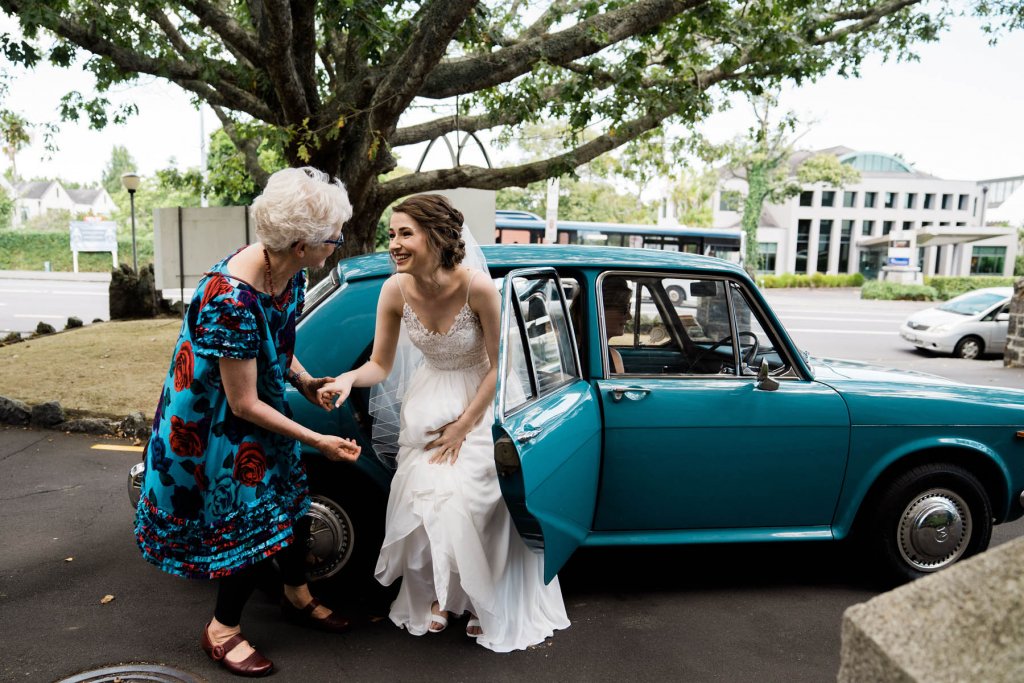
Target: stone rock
[73,322]
[45,328]
[12,338]
[1013,356]
[87,425]
[134,426]
[14,412]
[133,295]
[48,414]
[964,623]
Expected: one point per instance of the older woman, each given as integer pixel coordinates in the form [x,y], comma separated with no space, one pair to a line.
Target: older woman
[225,489]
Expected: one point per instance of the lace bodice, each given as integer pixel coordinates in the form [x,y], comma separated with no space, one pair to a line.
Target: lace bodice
[461,347]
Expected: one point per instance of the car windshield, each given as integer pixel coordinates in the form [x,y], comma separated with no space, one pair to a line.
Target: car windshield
[972,304]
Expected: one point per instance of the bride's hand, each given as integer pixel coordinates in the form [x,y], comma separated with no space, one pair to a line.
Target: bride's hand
[334,392]
[448,442]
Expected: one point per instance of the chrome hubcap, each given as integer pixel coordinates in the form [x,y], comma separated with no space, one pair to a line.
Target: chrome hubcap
[331,538]
[934,530]
[969,350]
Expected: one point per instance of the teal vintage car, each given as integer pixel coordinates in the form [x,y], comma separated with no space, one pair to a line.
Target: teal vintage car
[649,397]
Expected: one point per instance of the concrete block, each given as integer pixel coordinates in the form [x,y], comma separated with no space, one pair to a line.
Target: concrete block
[963,624]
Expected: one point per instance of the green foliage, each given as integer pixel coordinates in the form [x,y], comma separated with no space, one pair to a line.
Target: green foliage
[53,220]
[826,168]
[948,286]
[153,193]
[815,280]
[15,136]
[692,192]
[1018,266]
[121,162]
[580,200]
[23,250]
[876,289]
[6,209]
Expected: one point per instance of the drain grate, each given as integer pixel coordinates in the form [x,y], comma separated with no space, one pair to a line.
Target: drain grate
[130,673]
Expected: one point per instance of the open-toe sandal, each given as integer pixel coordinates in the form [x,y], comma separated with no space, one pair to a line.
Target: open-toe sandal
[471,624]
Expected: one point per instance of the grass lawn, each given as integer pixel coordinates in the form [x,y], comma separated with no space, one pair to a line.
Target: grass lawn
[106,369]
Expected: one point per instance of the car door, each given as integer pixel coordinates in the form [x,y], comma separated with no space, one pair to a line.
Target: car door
[703,444]
[547,428]
[997,324]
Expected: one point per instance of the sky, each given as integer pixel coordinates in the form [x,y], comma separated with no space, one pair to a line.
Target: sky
[955,114]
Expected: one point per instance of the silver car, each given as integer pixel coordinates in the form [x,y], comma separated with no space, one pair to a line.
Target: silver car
[966,326]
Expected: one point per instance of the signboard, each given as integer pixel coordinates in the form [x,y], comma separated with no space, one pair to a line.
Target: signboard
[93,236]
[898,261]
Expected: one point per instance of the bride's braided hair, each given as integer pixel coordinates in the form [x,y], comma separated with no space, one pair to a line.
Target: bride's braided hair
[442,223]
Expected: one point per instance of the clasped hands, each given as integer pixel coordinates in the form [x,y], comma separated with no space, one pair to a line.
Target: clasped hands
[333,447]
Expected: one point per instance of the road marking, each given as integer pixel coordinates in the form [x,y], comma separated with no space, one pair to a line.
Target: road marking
[816,331]
[851,320]
[111,447]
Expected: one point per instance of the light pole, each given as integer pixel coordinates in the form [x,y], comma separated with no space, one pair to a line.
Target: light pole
[131,183]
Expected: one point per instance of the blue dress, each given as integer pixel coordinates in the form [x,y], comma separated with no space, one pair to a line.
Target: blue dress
[219,492]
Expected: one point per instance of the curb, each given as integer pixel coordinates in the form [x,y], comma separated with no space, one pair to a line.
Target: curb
[52,275]
[50,415]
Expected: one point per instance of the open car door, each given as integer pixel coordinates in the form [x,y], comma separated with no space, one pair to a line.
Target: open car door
[547,431]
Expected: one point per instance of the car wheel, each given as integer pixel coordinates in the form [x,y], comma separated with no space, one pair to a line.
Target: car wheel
[346,531]
[929,518]
[676,294]
[969,348]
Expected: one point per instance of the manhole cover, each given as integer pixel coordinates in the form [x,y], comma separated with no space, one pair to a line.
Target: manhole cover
[129,673]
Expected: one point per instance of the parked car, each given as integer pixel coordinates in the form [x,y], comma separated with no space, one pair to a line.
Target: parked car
[718,430]
[966,326]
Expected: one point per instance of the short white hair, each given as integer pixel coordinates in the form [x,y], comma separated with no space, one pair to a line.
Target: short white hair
[299,204]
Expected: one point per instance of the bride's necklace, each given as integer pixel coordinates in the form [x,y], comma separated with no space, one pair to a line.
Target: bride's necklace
[268,284]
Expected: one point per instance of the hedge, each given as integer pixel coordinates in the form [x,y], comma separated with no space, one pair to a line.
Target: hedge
[30,250]
[949,287]
[876,289]
[789,280]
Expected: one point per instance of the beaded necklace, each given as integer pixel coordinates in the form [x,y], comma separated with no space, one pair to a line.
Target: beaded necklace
[268,284]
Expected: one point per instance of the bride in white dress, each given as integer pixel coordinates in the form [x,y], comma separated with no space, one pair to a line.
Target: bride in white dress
[448,532]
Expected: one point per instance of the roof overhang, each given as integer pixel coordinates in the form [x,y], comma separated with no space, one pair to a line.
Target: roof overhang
[941,236]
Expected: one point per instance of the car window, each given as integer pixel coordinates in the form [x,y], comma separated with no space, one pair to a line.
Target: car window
[678,326]
[972,303]
[540,349]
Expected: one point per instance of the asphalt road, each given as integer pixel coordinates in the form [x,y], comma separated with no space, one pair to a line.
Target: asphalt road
[28,298]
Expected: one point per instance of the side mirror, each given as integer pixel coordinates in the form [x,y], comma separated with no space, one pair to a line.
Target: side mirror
[764,381]
[1002,317]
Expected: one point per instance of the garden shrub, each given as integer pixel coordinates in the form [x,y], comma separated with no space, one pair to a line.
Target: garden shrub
[949,286]
[789,280]
[876,289]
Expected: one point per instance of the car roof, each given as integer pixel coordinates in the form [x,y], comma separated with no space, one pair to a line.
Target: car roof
[507,256]
[1002,291]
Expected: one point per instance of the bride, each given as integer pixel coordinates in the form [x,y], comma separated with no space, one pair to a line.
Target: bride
[448,534]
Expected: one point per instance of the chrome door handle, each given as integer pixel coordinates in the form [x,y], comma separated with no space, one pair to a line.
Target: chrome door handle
[632,393]
[526,435]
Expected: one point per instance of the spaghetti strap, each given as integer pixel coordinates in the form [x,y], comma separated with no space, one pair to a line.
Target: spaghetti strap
[399,281]
[469,285]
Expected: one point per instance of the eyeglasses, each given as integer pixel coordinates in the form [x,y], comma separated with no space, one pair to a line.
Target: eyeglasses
[338,242]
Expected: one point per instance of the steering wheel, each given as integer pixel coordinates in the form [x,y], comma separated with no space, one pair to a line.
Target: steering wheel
[748,355]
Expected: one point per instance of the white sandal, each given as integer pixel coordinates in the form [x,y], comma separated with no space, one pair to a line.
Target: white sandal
[438,619]
[473,623]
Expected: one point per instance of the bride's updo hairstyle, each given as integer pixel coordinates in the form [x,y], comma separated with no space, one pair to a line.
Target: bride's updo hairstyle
[442,223]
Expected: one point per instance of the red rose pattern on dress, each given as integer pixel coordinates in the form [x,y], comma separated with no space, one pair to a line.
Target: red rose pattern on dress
[184,364]
[185,438]
[250,464]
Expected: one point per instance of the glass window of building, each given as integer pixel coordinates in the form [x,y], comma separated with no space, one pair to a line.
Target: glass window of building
[886,227]
[867,227]
[803,238]
[869,199]
[844,246]
[961,224]
[828,198]
[908,225]
[890,200]
[824,241]
[730,200]
[911,201]
[943,224]
[768,251]
[947,202]
[926,224]
[807,198]
[987,260]
[929,200]
[961,204]
[849,199]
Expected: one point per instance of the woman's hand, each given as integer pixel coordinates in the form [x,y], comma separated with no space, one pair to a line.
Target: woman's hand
[449,441]
[334,391]
[337,448]
[308,386]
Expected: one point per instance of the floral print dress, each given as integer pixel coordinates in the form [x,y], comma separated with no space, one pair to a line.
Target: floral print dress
[221,493]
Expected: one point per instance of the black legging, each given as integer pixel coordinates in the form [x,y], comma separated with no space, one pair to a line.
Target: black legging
[234,591]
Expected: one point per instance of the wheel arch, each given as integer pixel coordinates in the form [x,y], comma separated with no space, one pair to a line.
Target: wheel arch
[974,457]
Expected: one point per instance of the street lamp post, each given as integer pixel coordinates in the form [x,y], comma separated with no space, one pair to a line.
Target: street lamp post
[131,183]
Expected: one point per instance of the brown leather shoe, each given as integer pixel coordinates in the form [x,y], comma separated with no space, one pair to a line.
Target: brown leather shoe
[254,665]
[304,616]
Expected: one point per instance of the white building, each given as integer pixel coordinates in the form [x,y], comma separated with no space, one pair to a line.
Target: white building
[896,223]
[92,201]
[40,196]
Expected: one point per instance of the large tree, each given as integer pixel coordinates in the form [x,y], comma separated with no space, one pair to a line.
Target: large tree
[331,79]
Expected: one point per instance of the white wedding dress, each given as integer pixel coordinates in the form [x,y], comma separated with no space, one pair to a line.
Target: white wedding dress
[449,534]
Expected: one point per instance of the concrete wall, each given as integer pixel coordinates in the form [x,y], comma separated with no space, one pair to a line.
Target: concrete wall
[964,624]
[208,234]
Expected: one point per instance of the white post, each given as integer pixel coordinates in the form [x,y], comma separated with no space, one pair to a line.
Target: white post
[551,214]
[74,258]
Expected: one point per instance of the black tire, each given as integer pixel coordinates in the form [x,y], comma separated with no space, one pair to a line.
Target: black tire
[676,294]
[348,514]
[969,348]
[927,519]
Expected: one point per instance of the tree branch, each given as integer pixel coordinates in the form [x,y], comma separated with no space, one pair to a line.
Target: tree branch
[862,20]
[592,35]
[225,26]
[247,146]
[276,34]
